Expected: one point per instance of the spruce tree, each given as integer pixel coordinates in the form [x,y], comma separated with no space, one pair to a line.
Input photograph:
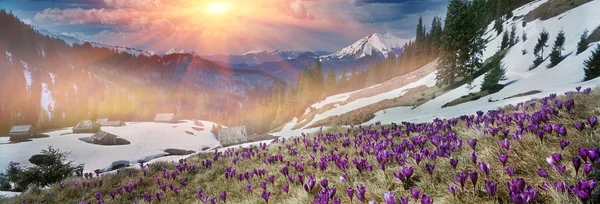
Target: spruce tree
[494,76]
[455,52]
[513,35]
[505,41]
[498,26]
[538,50]
[556,54]
[331,83]
[583,42]
[592,65]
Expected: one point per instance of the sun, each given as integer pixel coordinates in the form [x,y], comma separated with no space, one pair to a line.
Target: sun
[217,7]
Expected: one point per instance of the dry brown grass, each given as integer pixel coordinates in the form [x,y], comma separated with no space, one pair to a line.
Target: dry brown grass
[553,8]
[525,156]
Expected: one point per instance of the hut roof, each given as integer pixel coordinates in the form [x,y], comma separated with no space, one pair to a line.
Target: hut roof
[111,123]
[164,117]
[20,128]
[84,124]
[100,135]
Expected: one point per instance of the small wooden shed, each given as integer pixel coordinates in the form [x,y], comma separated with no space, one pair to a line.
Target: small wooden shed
[164,118]
[104,138]
[86,126]
[232,135]
[21,132]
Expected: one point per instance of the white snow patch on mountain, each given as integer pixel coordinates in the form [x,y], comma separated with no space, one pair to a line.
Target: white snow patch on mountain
[27,73]
[9,56]
[47,101]
[52,77]
[375,43]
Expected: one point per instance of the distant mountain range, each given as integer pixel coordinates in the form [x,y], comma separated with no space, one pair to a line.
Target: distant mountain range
[286,64]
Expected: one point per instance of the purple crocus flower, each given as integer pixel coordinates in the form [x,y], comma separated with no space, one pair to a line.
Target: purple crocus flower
[159,196]
[224,196]
[510,171]
[98,195]
[505,144]
[249,187]
[452,189]
[503,159]
[587,168]
[266,195]
[490,187]
[461,178]
[350,193]
[426,200]
[473,176]
[592,121]
[286,188]
[473,157]
[389,198]
[113,194]
[415,193]
[362,189]
[576,164]
[263,185]
[579,126]
[271,179]
[453,163]
[564,144]
[472,143]
[176,191]
[324,183]
[542,173]
[430,168]
[337,201]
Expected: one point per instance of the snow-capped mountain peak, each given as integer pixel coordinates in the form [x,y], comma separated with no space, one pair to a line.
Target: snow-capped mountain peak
[374,44]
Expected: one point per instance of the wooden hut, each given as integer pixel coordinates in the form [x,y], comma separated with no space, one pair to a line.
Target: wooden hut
[21,132]
[104,138]
[164,118]
[232,135]
[86,126]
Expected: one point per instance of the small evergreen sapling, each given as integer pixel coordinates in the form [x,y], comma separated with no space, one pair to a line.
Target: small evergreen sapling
[538,50]
[592,65]
[494,76]
[583,42]
[556,54]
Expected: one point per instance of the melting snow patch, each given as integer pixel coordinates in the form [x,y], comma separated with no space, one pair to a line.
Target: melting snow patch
[27,74]
[47,101]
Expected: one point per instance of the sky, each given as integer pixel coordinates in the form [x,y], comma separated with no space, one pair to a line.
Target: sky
[227,26]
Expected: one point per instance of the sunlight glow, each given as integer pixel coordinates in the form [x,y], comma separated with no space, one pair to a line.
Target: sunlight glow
[217,7]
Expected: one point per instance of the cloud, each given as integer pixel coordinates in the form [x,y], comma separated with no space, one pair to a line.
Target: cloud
[267,24]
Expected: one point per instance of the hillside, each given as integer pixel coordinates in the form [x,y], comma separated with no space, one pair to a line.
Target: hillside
[466,159]
[520,79]
[53,81]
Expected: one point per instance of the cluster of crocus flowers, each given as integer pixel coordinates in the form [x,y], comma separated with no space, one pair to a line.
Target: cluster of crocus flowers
[403,148]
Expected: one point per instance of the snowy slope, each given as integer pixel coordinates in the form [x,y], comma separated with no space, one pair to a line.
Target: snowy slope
[374,44]
[148,140]
[562,78]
